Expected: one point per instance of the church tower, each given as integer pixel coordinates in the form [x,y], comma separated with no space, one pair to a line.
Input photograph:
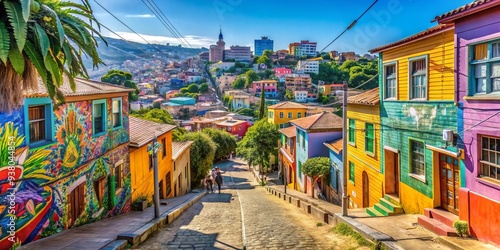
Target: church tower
[216,52]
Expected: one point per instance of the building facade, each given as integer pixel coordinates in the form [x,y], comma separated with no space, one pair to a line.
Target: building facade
[298,82]
[182,169]
[279,72]
[238,53]
[216,51]
[240,101]
[237,128]
[270,88]
[477,83]
[307,66]
[71,165]
[263,44]
[329,89]
[282,113]
[336,172]
[300,96]
[286,155]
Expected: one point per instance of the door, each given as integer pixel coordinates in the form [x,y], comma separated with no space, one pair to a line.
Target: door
[449,178]
[76,203]
[160,187]
[366,190]
[391,172]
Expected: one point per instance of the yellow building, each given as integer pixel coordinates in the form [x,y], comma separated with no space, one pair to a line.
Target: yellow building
[181,162]
[142,133]
[282,113]
[363,150]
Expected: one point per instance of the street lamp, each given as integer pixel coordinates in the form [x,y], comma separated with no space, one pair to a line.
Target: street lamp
[153,149]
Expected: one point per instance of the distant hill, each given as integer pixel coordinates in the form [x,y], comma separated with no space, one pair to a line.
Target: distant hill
[119,51]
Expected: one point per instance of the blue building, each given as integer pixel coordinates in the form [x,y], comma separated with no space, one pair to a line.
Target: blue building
[335,155]
[263,44]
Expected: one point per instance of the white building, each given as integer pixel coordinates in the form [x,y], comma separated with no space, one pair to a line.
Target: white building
[307,66]
[307,48]
[222,65]
[238,53]
[300,95]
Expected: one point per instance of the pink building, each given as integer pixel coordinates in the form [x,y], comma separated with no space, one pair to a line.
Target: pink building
[279,72]
[234,127]
[270,87]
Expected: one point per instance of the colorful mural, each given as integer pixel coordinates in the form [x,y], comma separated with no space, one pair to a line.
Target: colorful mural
[35,183]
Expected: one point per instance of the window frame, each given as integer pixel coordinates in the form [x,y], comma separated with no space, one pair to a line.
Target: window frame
[282,115]
[489,163]
[49,119]
[353,141]
[290,115]
[489,61]
[120,99]
[352,172]
[104,116]
[299,115]
[410,78]
[164,147]
[410,159]
[372,152]
[384,91]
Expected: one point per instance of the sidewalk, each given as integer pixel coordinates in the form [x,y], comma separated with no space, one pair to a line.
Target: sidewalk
[99,234]
[394,232]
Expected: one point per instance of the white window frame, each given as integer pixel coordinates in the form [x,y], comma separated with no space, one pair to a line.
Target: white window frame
[488,62]
[410,78]
[389,64]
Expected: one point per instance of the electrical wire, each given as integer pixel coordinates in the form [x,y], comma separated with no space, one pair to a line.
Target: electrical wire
[163,22]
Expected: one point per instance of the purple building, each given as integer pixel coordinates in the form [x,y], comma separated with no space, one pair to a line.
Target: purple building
[477,81]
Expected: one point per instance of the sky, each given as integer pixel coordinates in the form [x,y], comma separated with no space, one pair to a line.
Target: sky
[243,21]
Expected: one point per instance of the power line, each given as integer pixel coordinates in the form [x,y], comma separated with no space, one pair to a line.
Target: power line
[116,34]
[160,17]
[130,28]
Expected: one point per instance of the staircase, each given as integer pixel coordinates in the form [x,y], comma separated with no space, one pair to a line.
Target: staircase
[438,221]
[388,205]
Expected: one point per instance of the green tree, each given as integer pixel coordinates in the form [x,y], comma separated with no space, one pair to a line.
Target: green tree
[267,53]
[239,83]
[160,116]
[184,90]
[44,39]
[122,78]
[225,142]
[250,77]
[202,155]
[265,60]
[289,94]
[316,168]
[203,88]
[260,141]
[192,88]
[346,66]
[262,105]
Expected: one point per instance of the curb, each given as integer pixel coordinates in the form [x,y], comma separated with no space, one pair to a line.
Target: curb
[140,235]
[448,243]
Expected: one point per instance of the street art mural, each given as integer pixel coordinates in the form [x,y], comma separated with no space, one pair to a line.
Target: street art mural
[38,185]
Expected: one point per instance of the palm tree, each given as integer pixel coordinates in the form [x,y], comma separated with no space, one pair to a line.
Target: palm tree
[44,40]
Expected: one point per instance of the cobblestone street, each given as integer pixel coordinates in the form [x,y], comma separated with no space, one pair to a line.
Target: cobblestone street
[217,221]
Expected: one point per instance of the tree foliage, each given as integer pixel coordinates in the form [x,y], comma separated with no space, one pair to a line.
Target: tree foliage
[202,155]
[262,105]
[192,88]
[289,94]
[316,167]
[250,77]
[260,141]
[44,39]
[203,88]
[225,142]
[122,78]
[239,83]
[160,116]
[355,72]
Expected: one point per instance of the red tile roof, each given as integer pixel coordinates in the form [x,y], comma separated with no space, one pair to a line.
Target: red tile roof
[142,131]
[83,87]
[287,105]
[336,146]
[428,32]
[289,132]
[325,120]
[461,11]
[370,97]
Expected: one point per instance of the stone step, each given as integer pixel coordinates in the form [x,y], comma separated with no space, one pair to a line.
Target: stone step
[393,199]
[436,226]
[391,206]
[441,215]
[383,210]
[374,213]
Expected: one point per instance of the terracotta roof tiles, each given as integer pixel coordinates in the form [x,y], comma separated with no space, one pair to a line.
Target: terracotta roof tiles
[289,132]
[370,97]
[287,105]
[325,120]
[336,145]
[143,131]
[477,4]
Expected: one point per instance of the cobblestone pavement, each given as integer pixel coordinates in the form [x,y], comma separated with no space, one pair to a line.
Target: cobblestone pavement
[215,222]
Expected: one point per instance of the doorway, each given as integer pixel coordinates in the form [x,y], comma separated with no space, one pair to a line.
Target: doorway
[366,190]
[449,179]
[161,189]
[391,173]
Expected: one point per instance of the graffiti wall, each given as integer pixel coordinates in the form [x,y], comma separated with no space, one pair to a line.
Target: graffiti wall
[76,179]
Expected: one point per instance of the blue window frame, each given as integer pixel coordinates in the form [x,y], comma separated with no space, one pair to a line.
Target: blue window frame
[484,68]
[38,121]
[99,117]
[117,112]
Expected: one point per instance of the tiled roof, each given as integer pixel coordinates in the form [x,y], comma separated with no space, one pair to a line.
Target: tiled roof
[178,147]
[289,132]
[468,7]
[370,97]
[83,87]
[436,29]
[287,105]
[142,131]
[336,145]
[325,120]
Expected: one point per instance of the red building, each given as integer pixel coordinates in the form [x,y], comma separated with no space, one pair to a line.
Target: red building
[234,127]
[279,72]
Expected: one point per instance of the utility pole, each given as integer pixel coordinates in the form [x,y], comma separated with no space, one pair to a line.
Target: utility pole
[345,196]
[153,150]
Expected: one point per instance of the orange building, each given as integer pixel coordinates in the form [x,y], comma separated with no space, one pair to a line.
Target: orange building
[142,133]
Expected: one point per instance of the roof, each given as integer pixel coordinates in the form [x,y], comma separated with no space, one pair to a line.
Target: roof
[370,97]
[287,105]
[241,97]
[289,132]
[336,146]
[82,87]
[465,10]
[182,99]
[264,81]
[324,120]
[172,104]
[143,131]
[178,147]
[230,123]
[428,32]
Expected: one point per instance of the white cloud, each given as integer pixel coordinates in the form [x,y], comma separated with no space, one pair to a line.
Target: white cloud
[141,16]
[194,41]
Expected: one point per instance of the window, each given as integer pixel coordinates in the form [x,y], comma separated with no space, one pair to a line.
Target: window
[168,183]
[119,176]
[390,82]
[351,171]
[99,117]
[271,114]
[417,158]
[117,112]
[303,135]
[186,171]
[485,68]
[164,147]
[281,114]
[290,115]
[99,190]
[150,161]
[418,78]
[369,138]
[300,170]
[352,131]
[37,123]
[490,157]
[299,115]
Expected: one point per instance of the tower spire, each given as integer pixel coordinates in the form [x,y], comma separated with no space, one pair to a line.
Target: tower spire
[221,37]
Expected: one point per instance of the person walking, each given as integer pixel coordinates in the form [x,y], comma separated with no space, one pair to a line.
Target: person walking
[218,179]
[209,183]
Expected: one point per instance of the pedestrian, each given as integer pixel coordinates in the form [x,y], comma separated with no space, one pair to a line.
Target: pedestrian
[218,179]
[214,170]
[209,183]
